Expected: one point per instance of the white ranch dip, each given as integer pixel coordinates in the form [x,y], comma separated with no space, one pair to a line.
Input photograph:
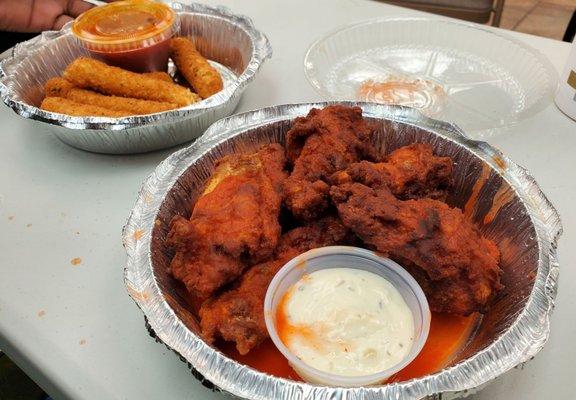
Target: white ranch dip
[346,321]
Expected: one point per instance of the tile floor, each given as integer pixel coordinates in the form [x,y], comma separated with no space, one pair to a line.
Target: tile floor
[548,18]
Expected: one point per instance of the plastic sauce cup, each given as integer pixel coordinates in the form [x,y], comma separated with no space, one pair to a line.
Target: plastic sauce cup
[133,35]
[349,257]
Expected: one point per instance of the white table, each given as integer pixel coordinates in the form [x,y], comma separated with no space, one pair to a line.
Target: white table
[74,329]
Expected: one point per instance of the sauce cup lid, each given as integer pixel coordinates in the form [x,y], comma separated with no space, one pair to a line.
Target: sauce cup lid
[124,22]
[356,258]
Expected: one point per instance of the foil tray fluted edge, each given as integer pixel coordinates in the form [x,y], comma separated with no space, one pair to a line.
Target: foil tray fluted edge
[524,337]
[134,133]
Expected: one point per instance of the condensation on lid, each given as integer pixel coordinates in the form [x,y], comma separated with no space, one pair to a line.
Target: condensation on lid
[124,21]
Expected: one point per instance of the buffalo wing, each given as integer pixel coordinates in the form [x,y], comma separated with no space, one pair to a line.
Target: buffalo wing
[238,314]
[410,172]
[323,142]
[234,223]
[457,267]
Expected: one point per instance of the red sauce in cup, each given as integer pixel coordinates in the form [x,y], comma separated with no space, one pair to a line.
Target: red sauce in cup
[133,35]
[144,59]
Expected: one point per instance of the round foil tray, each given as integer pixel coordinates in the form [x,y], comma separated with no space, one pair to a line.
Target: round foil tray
[235,47]
[480,79]
[501,198]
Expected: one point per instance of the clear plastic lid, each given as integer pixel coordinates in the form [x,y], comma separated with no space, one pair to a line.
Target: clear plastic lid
[350,257]
[125,24]
[463,73]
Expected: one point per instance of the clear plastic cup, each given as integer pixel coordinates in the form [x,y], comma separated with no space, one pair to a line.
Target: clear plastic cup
[349,257]
[131,34]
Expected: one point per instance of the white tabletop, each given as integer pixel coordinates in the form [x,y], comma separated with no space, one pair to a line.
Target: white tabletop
[74,329]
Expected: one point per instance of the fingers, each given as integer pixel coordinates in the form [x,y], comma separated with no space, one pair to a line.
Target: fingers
[39,15]
[76,7]
[61,21]
[72,9]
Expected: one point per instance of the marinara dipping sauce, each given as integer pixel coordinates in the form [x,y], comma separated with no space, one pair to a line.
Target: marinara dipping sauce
[132,34]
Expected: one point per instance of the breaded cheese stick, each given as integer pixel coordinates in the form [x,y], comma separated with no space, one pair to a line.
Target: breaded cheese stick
[203,77]
[160,75]
[87,73]
[131,106]
[60,87]
[70,107]
[57,87]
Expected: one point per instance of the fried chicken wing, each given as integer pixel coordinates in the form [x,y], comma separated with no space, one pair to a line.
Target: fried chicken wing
[323,142]
[410,172]
[270,159]
[238,314]
[458,267]
[234,223]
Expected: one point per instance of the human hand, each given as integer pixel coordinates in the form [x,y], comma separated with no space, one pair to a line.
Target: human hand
[39,15]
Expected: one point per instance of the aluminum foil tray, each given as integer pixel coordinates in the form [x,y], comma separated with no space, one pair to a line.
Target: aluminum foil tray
[501,197]
[237,48]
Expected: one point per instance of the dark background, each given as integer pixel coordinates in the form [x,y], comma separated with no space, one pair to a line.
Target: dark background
[9,39]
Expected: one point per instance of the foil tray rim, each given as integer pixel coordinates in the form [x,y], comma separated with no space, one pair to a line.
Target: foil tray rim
[532,325]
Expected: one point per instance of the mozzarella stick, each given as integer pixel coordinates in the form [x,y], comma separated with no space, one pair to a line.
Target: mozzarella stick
[70,107]
[131,106]
[87,73]
[57,87]
[203,77]
[160,75]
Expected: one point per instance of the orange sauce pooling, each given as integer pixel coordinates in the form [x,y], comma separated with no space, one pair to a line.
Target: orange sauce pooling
[503,196]
[470,206]
[448,335]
